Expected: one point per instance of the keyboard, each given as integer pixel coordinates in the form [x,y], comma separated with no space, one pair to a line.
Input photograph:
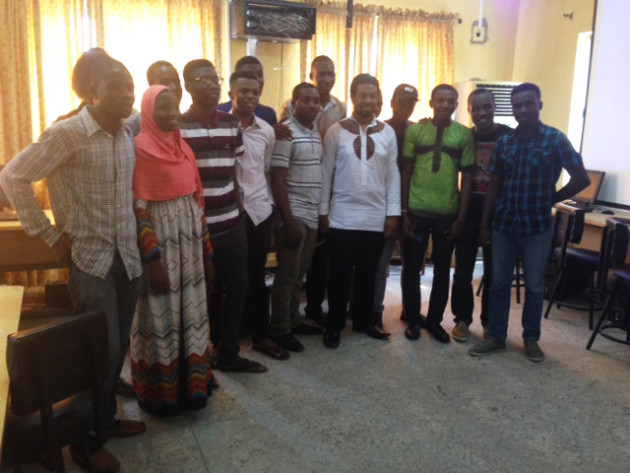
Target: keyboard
[8,215]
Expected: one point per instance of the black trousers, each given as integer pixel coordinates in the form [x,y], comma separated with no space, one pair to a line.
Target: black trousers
[414,250]
[359,251]
[462,294]
[256,310]
[227,297]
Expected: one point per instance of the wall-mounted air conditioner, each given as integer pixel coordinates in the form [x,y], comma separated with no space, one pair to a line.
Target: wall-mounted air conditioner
[272,20]
[502,93]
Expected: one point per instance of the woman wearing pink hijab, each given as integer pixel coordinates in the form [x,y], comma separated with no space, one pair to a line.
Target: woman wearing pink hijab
[170,353]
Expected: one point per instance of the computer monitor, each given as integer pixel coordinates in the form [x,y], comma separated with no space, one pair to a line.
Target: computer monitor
[586,197]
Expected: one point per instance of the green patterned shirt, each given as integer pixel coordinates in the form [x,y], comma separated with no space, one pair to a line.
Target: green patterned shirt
[438,155]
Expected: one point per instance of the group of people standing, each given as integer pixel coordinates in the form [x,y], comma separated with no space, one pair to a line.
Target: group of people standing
[166,220]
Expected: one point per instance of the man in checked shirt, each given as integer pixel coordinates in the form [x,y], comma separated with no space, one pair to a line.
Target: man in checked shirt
[525,167]
[88,161]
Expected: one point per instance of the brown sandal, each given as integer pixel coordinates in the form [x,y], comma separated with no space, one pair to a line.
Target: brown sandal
[271,349]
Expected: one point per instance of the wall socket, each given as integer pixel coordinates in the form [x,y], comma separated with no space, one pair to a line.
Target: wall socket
[479,32]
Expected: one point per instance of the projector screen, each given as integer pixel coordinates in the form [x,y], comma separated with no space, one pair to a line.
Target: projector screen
[606,139]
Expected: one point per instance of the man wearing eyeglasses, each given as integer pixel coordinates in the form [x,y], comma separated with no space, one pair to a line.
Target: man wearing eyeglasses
[217,141]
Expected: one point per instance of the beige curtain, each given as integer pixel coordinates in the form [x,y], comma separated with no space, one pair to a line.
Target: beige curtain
[414,48]
[15,99]
[395,45]
[330,40]
[40,41]
[140,32]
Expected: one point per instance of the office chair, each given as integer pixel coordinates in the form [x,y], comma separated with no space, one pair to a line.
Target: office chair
[568,229]
[616,282]
[57,372]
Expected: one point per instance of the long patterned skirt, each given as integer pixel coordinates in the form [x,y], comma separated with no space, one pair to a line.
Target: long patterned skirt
[170,354]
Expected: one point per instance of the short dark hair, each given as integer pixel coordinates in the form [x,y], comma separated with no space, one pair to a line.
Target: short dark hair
[242,75]
[99,68]
[320,59]
[363,79]
[246,60]
[526,87]
[297,90]
[151,71]
[194,65]
[443,87]
[81,74]
[480,91]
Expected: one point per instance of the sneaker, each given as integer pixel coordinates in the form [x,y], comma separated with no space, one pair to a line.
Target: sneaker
[533,352]
[486,348]
[461,332]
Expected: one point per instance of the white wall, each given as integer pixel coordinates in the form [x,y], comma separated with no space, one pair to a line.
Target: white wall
[605,145]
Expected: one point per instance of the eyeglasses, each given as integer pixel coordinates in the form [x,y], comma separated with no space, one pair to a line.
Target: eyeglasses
[209,80]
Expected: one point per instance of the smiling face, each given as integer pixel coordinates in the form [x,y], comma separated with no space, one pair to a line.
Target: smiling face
[365,100]
[166,111]
[306,105]
[167,76]
[481,108]
[112,93]
[203,86]
[245,94]
[443,103]
[526,106]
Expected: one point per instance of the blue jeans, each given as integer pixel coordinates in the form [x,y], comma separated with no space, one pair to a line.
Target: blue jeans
[534,252]
[115,295]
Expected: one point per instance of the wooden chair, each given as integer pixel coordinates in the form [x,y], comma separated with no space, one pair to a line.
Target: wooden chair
[57,372]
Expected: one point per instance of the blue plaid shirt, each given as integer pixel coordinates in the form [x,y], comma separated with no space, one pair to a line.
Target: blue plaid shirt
[530,169]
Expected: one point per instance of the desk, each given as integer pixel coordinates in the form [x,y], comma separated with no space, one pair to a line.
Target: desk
[10,308]
[594,222]
[19,251]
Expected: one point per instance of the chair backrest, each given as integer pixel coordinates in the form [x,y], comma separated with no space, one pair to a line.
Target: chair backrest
[619,241]
[614,247]
[568,226]
[55,361]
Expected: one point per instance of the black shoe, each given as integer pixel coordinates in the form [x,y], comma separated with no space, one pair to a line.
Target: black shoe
[304,329]
[412,332]
[378,333]
[358,328]
[439,333]
[331,339]
[288,342]
[316,316]
[422,318]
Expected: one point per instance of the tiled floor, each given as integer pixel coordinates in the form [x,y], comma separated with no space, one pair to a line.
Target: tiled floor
[401,406]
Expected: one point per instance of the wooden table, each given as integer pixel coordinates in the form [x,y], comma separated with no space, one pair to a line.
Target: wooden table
[19,251]
[594,223]
[10,308]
